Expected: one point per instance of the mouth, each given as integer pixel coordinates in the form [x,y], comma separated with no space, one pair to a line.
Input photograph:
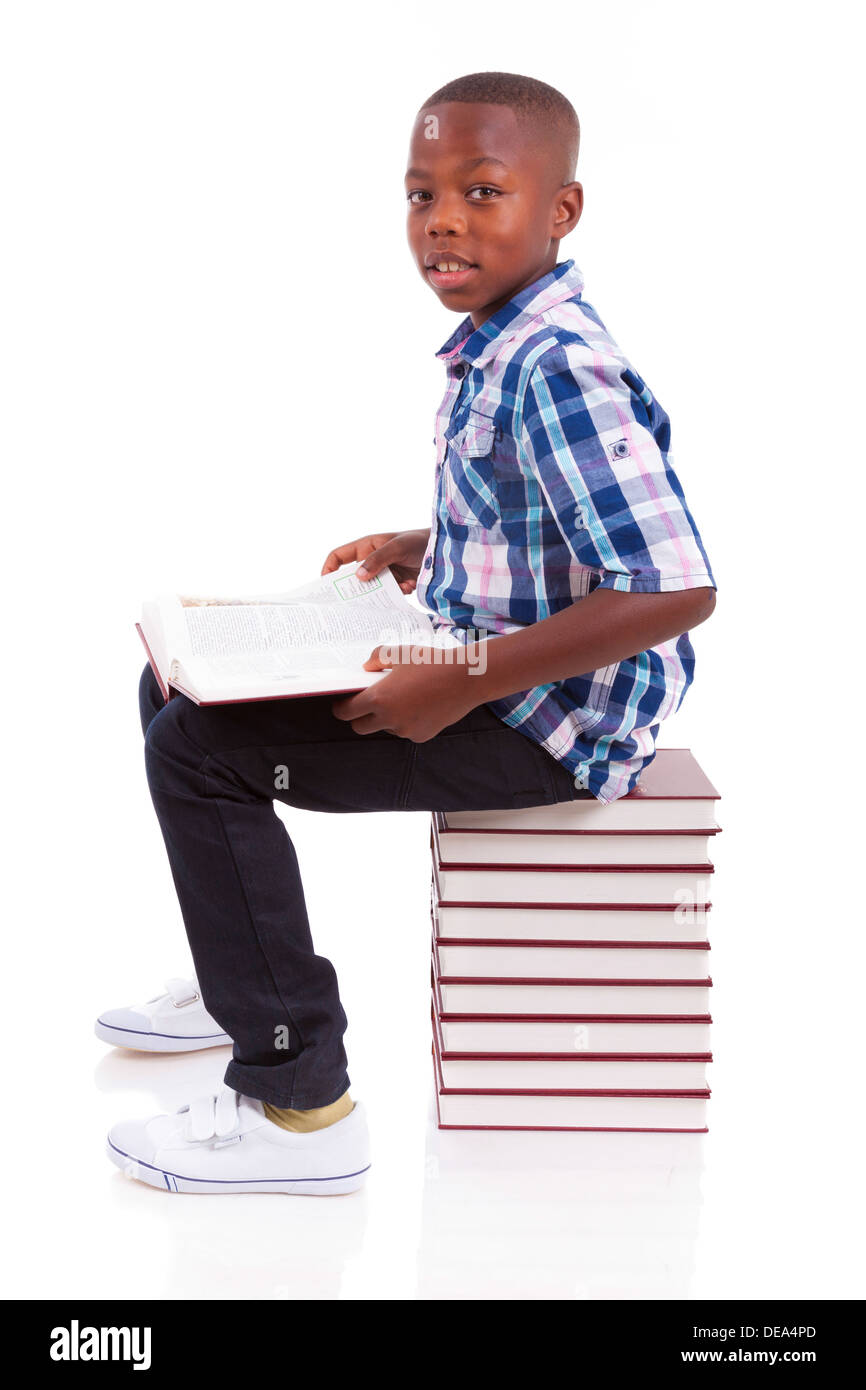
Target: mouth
[447,271]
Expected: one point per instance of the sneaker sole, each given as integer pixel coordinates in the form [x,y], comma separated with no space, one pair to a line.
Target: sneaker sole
[158,1042]
[175,1182]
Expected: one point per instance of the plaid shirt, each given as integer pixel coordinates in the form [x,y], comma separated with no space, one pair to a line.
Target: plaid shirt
[554,478]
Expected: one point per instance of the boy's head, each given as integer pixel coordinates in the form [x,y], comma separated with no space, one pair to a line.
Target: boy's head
[490,187]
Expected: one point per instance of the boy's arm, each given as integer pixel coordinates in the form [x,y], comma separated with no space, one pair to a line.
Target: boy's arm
[596,631]
[423,695]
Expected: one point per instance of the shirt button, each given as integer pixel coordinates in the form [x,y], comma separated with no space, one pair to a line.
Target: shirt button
[459,370]
[428,562]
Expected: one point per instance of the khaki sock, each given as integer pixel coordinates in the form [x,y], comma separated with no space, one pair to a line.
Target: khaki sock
[305,1121]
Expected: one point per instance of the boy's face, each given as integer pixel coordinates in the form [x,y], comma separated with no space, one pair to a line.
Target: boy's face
[484,192]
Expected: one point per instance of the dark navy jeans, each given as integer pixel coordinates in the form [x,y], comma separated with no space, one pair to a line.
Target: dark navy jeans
[212,774]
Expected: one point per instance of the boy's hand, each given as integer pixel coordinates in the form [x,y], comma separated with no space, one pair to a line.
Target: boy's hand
[418,698]
[401,551]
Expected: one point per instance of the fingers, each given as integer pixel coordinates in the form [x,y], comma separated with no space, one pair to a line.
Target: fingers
[376,560]
[379,549]
[344,709]
[376,661]
[373,562]
[361,709]
[340,556]
[364,722]
[352,550]
[353,706]
[370,724]
[380,555]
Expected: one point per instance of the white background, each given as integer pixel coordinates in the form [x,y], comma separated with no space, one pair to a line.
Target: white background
[218,362]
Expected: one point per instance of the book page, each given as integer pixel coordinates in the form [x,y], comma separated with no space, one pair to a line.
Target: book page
[312,639]
[337,614]
[257,672]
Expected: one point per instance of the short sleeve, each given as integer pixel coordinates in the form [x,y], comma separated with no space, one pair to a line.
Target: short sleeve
[596,453]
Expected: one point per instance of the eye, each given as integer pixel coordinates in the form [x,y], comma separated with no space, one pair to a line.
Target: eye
[414,195]
[486,190]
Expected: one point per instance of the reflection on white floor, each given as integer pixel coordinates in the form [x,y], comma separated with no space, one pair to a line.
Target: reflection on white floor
[473,1215]
[542,1215]
[168,1078]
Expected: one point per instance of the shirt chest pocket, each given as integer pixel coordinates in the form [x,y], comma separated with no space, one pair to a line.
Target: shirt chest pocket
[469,483]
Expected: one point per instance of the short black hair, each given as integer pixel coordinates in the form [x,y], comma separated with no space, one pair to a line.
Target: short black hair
[533,102]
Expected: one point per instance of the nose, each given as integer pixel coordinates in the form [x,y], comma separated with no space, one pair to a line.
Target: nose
[447,216]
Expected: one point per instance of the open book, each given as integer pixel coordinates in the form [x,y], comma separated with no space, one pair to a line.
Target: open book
[310,641]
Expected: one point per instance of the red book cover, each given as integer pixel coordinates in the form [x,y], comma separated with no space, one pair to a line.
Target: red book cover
[551,1018]
[665,908]
[564,868]
[441,1090]
[452,1056]
[702,981]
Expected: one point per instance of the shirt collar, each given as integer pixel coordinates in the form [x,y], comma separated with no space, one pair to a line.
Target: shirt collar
[479,345]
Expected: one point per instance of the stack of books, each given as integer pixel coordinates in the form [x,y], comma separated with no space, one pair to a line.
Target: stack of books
[570,973]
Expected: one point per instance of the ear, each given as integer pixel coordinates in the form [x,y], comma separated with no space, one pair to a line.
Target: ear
[566,210]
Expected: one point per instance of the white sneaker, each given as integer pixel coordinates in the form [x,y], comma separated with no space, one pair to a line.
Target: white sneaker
[225,1143]
[176,1021]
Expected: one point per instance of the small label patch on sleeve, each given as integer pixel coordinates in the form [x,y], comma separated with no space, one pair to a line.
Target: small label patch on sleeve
[618,449]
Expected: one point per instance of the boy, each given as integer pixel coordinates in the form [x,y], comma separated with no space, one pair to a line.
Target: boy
[560,538]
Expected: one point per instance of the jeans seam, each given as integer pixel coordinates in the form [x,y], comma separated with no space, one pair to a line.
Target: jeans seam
[408,777]
[551,774]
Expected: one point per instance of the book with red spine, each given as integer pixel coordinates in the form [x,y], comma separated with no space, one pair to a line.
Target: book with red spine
[570,951]
[608,1108]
